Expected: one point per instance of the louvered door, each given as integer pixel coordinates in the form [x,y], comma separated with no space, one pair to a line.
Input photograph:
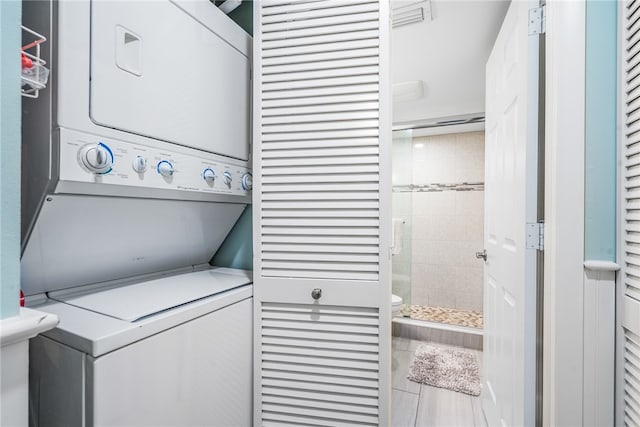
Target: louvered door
[322,137]
[629,358]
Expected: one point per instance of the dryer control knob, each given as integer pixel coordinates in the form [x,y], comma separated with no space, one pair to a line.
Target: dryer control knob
[247,181]
[97,158]
[209,175]
[226,176]
[139,164]
[165,168]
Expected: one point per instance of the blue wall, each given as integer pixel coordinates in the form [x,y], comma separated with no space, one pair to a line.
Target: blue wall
[600,143]
[10,38]
[237,249]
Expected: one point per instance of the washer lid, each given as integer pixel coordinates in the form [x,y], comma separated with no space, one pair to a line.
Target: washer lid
[134,302]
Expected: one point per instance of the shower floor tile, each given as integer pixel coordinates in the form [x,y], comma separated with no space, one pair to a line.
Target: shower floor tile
[450,316]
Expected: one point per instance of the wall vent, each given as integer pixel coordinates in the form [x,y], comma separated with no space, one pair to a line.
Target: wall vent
[410,12]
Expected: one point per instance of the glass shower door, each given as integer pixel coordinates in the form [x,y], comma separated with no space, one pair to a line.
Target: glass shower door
[401,211]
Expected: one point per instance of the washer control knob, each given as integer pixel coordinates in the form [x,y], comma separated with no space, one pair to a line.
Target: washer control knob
[165,168]
[226,176]
[247,181]
[139,164]
[97,158]
[209,175]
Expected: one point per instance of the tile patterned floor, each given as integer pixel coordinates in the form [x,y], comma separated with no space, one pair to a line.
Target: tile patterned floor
[420,405]
[450,316]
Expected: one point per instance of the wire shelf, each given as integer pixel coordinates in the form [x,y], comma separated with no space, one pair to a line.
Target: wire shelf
[34,74]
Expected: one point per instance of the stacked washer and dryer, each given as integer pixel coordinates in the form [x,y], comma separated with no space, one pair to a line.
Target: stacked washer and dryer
[136,167]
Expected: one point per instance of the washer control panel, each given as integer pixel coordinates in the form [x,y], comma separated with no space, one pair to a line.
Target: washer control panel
[86,158]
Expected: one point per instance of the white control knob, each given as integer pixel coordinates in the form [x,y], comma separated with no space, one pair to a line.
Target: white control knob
[140,164]
[209,175]
[165,168]
[97,158]
[226,176]
[247,181]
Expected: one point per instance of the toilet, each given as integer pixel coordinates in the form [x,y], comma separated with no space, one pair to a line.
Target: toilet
[396,305]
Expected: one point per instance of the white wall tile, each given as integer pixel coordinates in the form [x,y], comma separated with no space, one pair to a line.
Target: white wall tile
[447,227]
[435,276]
[402,155]
[469,151]
[442,298]
[436,252]
[465,253]
[402,269]
[419,295]
[433,202]
[419,273]
[469,279]
[473,228]
[434,227]
[405,254]
[466,301]
[401,204]
[469,202]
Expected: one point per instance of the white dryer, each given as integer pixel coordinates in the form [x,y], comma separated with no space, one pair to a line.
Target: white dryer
[168,351]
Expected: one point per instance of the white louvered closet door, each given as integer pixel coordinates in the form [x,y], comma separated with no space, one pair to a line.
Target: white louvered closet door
[322,203]
[630,357]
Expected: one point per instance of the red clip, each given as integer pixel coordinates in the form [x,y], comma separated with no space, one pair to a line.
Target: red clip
[26,61]
[21,298]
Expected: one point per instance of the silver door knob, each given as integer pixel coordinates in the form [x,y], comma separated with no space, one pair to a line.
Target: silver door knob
[316,293]
[482,255]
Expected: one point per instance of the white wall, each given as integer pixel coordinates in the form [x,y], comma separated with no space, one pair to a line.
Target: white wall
[448,54]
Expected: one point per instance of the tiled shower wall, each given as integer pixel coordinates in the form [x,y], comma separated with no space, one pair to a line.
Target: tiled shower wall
[447,226]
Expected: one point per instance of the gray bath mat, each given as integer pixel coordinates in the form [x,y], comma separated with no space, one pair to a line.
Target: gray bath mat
[448,368]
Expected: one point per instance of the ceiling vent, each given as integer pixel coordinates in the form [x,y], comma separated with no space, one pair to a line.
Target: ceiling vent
[408,91]
[405,12]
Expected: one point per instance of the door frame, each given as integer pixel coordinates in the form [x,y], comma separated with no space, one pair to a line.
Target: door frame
[618,404]
[564,214]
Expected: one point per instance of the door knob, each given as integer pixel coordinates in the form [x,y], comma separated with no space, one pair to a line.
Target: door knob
[316,293]
[482,254]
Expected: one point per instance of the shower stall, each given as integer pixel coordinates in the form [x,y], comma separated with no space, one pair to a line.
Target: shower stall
[438,215]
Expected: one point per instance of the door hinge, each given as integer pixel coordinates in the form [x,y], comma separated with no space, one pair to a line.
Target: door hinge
[537,20]
[535,236]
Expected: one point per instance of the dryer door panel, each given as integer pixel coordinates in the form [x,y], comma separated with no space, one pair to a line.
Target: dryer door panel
[157,72]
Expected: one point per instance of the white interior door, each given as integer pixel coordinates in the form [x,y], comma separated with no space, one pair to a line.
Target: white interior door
[511,202]
[322,140]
